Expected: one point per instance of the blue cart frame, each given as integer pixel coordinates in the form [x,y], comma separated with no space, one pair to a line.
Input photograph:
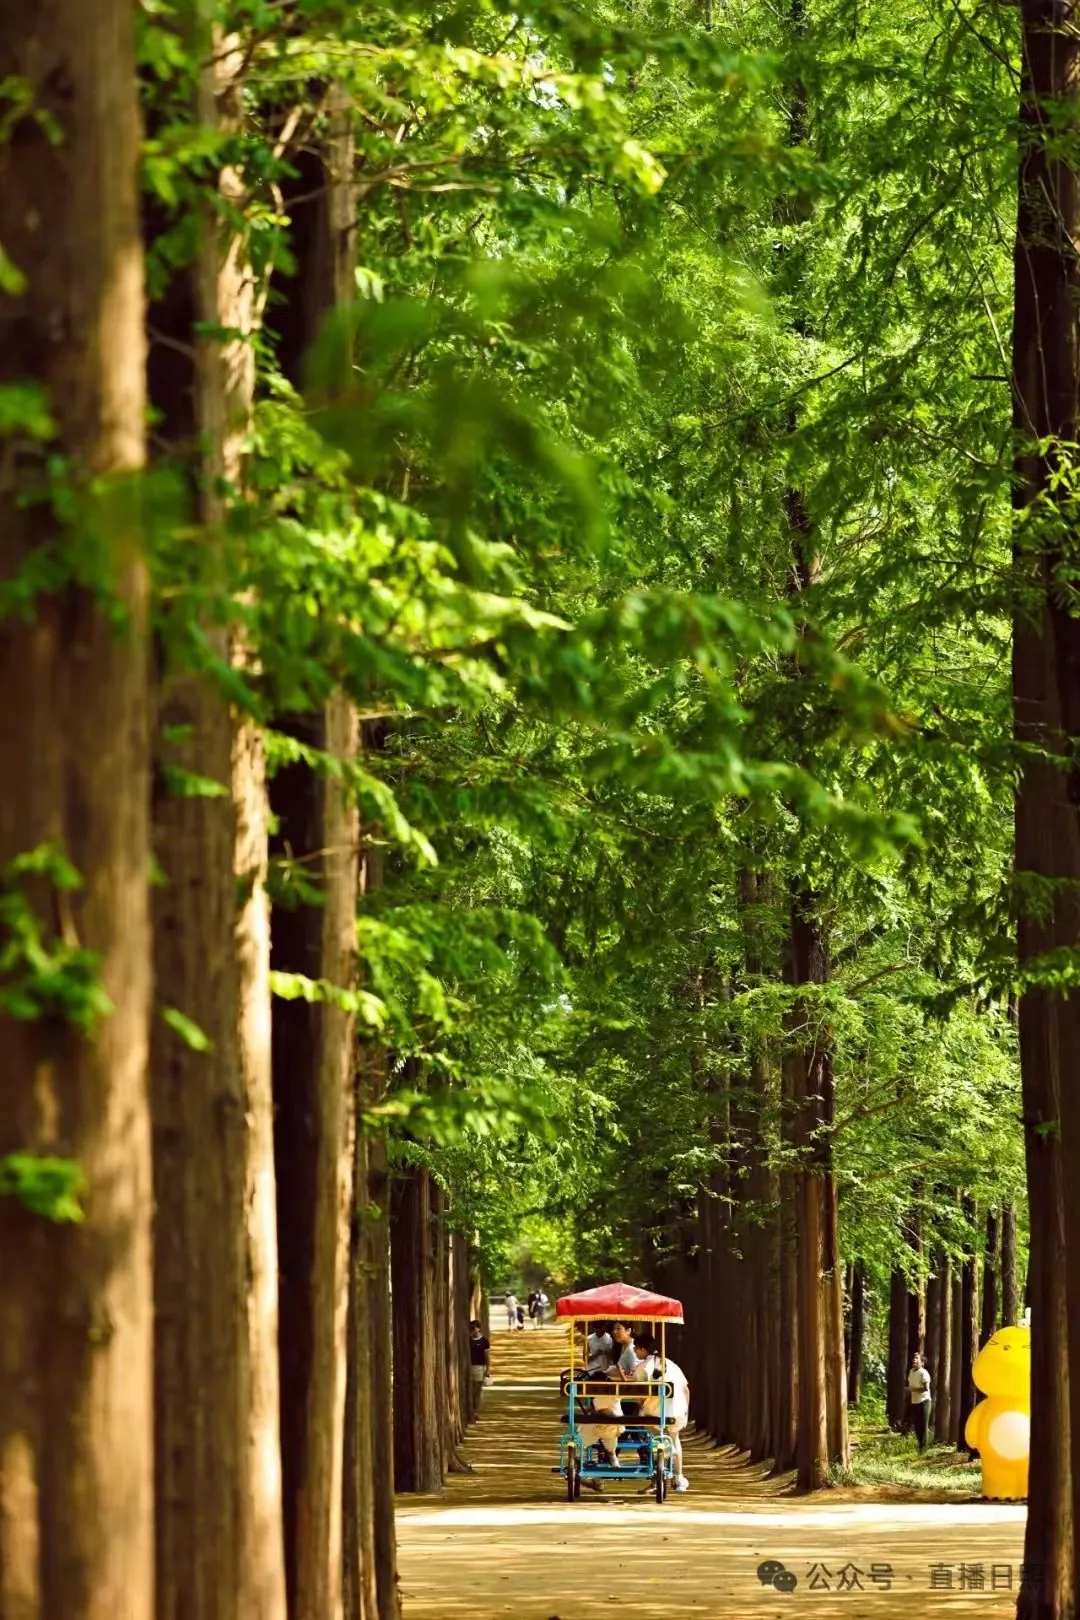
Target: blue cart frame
[644,1444]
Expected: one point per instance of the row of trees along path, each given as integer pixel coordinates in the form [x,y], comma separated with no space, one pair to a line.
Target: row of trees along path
[212,1381]
[195,1379]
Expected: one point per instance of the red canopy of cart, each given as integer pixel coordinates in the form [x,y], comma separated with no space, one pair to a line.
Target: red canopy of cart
[620,1302]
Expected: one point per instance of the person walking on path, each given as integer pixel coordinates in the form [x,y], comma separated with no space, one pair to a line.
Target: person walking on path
[480,1360]
[539,1307]
[511,1312]
[919,1399]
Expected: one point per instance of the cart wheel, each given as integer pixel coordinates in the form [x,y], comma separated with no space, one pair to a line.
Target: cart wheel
[573,1478]
[660,1478]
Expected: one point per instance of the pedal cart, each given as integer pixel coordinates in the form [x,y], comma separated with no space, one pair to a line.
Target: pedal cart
[643,1446]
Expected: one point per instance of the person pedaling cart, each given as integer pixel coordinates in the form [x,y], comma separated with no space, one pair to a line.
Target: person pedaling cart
[603,1438]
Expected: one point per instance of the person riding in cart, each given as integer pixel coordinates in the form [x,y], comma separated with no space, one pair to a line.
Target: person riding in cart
[603,1438]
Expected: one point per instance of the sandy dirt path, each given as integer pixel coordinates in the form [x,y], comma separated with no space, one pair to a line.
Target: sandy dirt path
[504,1541]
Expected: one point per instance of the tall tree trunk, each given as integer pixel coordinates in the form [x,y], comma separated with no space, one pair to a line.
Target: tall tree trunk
[787,1346]
[417,1457]
[811,967]
[359,1593]
[916,1300]
[382,1384]
[370,1373]
[1046,694]
[715,1219]
[444,1337]
[263,1527]
[1048,1537]
[313,1043]
[857,1333]
[1010,1309]
[760,1192]
[459,1283]
[990,1279]
[941,1372]
[313,1092]
[896,1376]
[76,1463]
[219,1528]
[933,1321]
[835,1373]
[969,1319]
[849,1283]
[956,1356]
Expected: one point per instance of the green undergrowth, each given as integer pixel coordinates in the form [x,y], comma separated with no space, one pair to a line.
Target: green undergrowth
[879,1456]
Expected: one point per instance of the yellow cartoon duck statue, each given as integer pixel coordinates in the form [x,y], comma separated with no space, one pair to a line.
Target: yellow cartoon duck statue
[999,1428]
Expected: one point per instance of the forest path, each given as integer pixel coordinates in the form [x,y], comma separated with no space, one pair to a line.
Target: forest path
[504,1541]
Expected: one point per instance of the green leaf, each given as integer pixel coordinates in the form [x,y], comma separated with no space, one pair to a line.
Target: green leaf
[188,1031]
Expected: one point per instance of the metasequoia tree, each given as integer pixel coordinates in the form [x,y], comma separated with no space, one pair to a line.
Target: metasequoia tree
[219,1535]
[1046,709]
[76,1469]
[313,1034]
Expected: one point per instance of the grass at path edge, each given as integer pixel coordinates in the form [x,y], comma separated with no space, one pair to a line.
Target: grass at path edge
[880,1456]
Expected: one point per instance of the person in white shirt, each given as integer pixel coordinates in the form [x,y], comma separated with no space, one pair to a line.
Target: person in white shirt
[651,1369]
[511,1312]
[598,1353]
[598,1349]
[919,1399]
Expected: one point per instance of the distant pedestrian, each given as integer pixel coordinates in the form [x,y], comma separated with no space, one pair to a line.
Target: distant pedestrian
[521,1317]
[539,1307]
[511,1312]
[480,1359]
[919,1399]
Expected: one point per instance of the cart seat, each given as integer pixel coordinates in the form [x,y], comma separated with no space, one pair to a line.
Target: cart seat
[594,1387]
[608,1420]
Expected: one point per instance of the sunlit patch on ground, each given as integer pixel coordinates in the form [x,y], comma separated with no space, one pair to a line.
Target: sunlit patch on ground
[504,1541]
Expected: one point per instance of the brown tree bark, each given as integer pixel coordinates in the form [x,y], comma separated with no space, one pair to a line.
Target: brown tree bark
[314,1097]
[1046,692]
[1010,1298]
[759,1195]
[313,1043]
[219,1529]
[1048,1538]
[359,1592]
[933,1322]
[916,1299]
[444,1338]
[812,1081]
[715,1218]
[371,1543]
[262,1525]
[370,1380]
[857,1334]
[941,1372]
[832,1280]
[969,1320]
[459,1290]
[990,1279]
[417,1457]
[787,1350]
[896,1374]
[956,1357]
[76,1465]
[380,1341]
